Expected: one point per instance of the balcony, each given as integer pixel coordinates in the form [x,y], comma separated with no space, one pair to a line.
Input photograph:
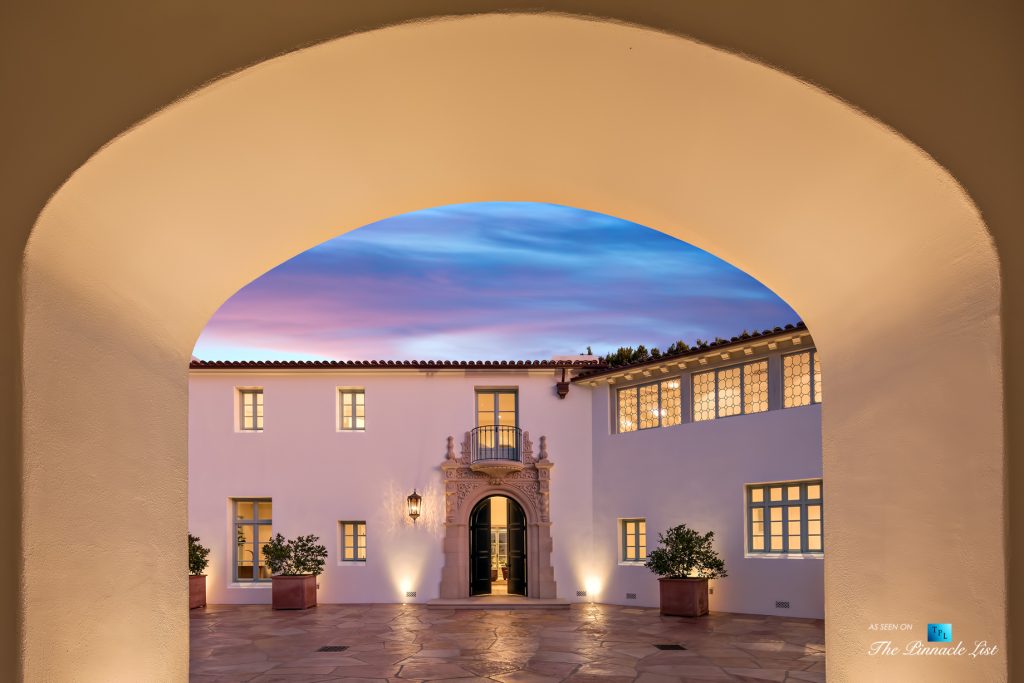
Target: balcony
[496,450]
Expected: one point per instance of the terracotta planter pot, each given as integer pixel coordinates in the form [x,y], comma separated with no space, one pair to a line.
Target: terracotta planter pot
[494,575]
[504,573]
[684,597]
[293,592]
[196,590]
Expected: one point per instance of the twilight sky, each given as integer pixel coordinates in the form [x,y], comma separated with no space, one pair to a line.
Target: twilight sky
[488,281]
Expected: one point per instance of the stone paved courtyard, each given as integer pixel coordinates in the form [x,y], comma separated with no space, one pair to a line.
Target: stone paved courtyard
[585,643]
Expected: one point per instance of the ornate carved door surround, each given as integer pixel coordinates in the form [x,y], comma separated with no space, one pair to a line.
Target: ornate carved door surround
[465,486]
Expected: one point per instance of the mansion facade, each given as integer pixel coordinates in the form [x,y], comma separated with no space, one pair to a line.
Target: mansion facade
[545,479]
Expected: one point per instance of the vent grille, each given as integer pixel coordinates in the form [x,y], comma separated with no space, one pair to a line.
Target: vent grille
[669,646]
[782,604]
[410,594]
[581,594]
[333,648]
[631,596]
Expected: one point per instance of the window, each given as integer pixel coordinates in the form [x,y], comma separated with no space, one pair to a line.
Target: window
[736,390]
[785,518]
[353,541]
[646,406]
[250,410]
[801,379]
[497,421]
[252,522]
[634,540]
[352,403]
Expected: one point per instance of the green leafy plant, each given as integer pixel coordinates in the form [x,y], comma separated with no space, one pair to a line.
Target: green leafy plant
[685,553]
[197,553]
[303,555]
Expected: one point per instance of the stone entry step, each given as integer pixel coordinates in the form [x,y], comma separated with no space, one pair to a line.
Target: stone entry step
[501,602]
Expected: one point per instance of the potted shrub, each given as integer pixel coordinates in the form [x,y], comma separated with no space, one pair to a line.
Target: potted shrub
[294,564]
[504,571]
[685,562]
[197,563]
[494,569]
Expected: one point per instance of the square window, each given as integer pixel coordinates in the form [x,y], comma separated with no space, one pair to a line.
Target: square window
[250,410]
[634,540]
[794,518]
[353,541]
[352,405]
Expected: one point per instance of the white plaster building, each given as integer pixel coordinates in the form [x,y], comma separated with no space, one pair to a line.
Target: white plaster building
[724,438]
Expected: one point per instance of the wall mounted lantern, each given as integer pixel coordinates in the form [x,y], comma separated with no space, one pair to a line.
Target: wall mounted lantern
[413,503]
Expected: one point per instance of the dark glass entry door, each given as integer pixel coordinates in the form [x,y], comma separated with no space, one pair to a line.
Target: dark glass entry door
[516,549]
[480,548]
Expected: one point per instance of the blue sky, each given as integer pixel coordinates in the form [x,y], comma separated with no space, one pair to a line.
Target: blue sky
[488,281]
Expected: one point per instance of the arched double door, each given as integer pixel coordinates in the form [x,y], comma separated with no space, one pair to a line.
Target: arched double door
[497,547]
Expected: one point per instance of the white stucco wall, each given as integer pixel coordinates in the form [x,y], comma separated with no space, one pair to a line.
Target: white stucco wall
[318,476]
[695,474]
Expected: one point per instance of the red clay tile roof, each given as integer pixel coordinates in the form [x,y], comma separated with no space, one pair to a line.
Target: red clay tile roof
[696,351]
[391,364]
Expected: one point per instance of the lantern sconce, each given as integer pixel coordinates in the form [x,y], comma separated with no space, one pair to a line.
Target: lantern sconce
[413,505]
[562,387]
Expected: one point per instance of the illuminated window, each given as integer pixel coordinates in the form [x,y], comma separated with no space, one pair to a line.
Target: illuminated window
[252,524]
[658,404]
[785,518]
[736,390]
[634,540]
[352,403]
[353,541]
[801,379]
[250,410]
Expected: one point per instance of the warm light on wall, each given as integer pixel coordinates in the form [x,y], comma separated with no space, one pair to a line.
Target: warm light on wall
[593,586]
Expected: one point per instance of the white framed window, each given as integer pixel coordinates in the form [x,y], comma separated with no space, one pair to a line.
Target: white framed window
[250,409]
[252,523]
[351,409]
[657,404]
[801,379]
[785,518]
[634,540]
[735,390]
[353,541]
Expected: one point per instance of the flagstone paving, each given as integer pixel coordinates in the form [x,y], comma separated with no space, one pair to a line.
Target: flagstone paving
[403,643]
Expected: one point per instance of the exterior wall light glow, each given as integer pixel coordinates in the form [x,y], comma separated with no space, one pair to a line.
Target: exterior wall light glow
[413,505]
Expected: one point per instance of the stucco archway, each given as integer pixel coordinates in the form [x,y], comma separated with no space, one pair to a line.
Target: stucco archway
[876,245]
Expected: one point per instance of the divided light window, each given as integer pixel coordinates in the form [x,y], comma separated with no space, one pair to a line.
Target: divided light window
[785,517]
[634,540]
[353,541]
[801,379]
[657,404]
[352,403]
[252,522]
[250,410]
[736,390]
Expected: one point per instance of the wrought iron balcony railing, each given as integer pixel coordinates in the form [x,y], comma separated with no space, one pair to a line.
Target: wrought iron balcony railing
[496,442]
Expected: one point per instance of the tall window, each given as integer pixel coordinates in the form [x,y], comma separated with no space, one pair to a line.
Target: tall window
[250,410]
[497,409]
[785,517]
[252,521]
[801,379]
[353,541]
[657,404]
[352,403]
[736,390]
[634,540]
